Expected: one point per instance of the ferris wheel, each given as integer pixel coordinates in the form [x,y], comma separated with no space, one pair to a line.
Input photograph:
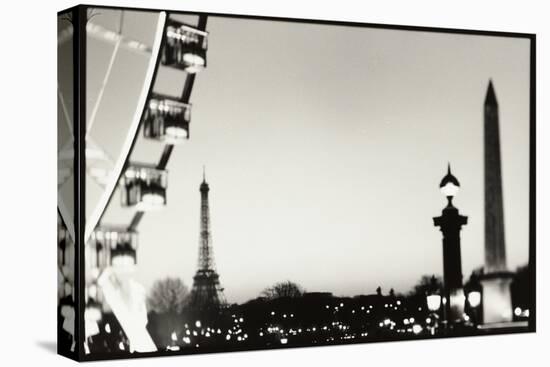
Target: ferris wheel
[125,111]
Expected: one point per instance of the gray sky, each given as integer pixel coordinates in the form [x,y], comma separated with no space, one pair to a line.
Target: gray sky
[324,147]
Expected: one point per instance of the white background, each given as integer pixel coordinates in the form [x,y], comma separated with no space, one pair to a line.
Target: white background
[28,181]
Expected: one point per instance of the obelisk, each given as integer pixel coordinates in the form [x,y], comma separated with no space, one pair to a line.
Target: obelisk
[497,300]
[495,252]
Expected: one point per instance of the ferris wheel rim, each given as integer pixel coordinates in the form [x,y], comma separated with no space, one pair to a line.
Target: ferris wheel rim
[133,131]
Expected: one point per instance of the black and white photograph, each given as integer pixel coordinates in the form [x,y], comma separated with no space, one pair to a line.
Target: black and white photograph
[246,183]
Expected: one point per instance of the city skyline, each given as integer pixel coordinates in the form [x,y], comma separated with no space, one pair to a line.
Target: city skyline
[288,164]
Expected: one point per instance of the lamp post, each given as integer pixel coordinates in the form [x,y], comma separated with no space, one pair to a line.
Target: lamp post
[474,301]
[450,223]
[433,301]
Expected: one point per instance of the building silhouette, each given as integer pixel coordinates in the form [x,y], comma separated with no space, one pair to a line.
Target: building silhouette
[207,293]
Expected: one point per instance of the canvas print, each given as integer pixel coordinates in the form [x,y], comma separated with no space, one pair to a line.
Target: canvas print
[256,183]
[66,240]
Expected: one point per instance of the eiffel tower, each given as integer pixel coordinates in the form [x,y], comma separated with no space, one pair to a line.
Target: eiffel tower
[207,293]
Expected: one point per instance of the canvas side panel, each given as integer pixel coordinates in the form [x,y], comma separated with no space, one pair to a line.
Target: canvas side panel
[66,289]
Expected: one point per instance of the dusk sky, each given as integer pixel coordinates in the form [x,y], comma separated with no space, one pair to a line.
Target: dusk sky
[324,146]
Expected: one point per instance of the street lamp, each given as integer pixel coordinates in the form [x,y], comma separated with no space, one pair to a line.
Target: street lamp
[449,185]
[433,300]
[450,223]
[185,47]
[474,296]
[474,299]
[167,119]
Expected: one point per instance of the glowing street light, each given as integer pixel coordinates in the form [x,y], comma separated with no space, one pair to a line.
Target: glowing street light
[449,185]
[434,301]
[433,298]
[474,299]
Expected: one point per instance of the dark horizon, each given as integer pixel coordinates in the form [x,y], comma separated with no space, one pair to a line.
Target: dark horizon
[334,295]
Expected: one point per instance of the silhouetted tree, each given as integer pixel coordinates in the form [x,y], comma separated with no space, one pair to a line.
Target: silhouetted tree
[473,282]
[425,284]
[168,295]
[283,289]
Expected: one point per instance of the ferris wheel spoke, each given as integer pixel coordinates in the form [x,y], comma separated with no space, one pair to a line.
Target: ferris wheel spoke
[102,154]
[107,74]
[66,114]
[135,220]
[106,35]
[103,86]
[129,143]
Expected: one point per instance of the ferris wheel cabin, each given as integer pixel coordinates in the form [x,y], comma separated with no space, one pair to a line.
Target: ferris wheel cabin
[112,246]
[167,119]
[144,187]
[185,47]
